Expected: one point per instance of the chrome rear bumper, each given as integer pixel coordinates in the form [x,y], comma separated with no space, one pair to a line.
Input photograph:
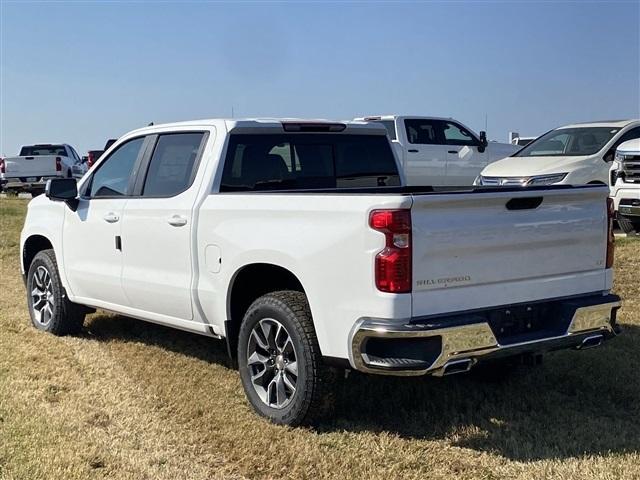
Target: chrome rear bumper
[420,346]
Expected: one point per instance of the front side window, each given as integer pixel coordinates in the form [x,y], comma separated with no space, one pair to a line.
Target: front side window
[579,141]
[455,134]
[424,132]
[172,164]
[628,135]
[113,175]
[74,153]
[303,161]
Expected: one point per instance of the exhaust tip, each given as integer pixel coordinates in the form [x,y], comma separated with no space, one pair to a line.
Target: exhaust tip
[457,366]
[591,341]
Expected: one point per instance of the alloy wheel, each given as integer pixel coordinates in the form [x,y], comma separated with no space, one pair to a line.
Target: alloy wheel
[272,363]
[42,299]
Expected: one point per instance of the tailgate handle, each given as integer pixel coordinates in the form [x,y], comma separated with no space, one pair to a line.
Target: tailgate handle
[28,158]
[524,203]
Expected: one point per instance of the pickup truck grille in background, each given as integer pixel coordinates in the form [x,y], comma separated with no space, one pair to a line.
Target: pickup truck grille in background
[630,169]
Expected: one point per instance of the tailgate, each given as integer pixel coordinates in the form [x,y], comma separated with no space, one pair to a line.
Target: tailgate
[36,166]
[482,249]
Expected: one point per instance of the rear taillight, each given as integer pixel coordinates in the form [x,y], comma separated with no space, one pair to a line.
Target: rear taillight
[393,263]
[2,169]
[58,164]
[611,211]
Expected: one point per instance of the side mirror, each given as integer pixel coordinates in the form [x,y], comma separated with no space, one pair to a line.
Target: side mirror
[609,156]
[85,159]
[483,141]
[63,190]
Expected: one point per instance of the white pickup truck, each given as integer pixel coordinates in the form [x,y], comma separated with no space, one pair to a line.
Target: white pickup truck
[296,242]
[440,151]
[625,185]
[36,164]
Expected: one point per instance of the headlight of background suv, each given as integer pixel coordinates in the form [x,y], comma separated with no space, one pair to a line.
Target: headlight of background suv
[546,179]
[613,173]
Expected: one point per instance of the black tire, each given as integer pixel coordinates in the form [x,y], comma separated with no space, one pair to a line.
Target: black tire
[628,225]
[57,314]
[313,397]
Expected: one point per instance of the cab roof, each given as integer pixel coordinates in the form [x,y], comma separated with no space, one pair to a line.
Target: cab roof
[277,125]
[370,118]
[603,123]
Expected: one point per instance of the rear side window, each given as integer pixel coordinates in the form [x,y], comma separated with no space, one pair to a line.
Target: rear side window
[172,166]
[424,131]
[114,174]
[34,150]
[303,161]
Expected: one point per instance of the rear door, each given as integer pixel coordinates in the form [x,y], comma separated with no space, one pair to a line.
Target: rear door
[158,226]
[425,153]
[474,250]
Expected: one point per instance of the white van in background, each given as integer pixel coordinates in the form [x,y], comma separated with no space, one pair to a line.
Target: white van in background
[625,185]
[440,151]
[575,154]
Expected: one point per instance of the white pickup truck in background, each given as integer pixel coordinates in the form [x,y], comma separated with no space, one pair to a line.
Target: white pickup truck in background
[440,151]
[296,242]
[36,164]
[625,185]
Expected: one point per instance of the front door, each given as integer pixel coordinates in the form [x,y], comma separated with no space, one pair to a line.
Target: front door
[464,160]
[158,228]
[91,254]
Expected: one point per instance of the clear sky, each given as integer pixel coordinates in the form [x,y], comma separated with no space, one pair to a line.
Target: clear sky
[81,72]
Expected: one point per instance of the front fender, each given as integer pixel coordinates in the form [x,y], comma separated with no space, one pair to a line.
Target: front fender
[46,219]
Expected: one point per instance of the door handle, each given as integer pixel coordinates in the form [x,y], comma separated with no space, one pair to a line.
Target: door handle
[452,151]
[111,217]
[177,221]
[413,151]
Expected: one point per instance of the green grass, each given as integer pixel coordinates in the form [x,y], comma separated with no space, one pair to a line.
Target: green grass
[127,399]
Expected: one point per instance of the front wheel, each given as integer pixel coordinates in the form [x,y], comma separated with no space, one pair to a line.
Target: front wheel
[628,225]
[49,307]
[280,362]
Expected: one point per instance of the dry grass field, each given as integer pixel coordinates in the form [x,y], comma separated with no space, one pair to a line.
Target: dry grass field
[130,400]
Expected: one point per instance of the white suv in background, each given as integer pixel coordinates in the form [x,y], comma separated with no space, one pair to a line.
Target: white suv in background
[575,154]
[625,185]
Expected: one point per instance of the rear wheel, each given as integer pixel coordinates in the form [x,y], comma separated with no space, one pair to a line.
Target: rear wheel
[49,307]
[280,362]
[628,225]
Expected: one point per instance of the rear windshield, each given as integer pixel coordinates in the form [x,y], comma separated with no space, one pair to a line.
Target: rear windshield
[569,142]
[33,150]
[308,161]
